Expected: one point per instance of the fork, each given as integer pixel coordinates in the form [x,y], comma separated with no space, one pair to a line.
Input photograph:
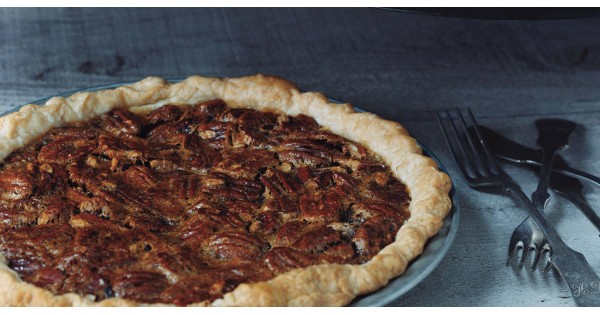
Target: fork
[553,136]
[480,170]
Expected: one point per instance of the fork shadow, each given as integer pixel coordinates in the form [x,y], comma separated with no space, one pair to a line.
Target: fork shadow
[539,277]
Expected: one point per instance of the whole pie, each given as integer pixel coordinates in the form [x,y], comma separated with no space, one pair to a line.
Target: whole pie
[211,191]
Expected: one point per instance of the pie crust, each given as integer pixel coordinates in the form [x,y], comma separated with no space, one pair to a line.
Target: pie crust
[318,285]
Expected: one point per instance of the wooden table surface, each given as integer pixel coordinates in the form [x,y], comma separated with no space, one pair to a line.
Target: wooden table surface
[398,65]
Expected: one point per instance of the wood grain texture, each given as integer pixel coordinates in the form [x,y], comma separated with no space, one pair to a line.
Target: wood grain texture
[398,65]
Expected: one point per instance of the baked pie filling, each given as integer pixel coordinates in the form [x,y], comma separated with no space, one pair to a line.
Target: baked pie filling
[182,204]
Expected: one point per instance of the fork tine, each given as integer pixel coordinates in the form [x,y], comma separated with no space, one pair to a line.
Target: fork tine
[514,243]
[548,267]
[468,153]
[484,146]
[539,243]
[451,144]
[473,152]
[536,259]
[526,249]
[547,249]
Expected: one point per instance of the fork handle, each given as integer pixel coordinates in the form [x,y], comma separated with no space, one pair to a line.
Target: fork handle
[579,276]
[579,201]
[583,282]
[541,196]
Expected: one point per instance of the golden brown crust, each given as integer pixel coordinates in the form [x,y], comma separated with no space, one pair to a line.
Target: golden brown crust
[326,284]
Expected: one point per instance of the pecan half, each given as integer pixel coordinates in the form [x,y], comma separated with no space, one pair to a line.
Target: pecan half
[212,107]
[246,163]
[318,240]
[140,176]
[236,246]
[364,211]
[290,232]
[300,158]
[206,220]
[15,185]
[374,234]
[49,277]
[145,286]
[279,183]
[186,188]
[282,259]
[266,222]
[164,114]
[119,122]
[65,150]
[56,212]
[300,123]
[217,134]
[321,207]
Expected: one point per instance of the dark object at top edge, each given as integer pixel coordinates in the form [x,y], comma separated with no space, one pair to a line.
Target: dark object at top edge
[505,13]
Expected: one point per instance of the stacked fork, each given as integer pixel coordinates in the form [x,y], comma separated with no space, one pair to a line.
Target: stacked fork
[479,168]
[553,137]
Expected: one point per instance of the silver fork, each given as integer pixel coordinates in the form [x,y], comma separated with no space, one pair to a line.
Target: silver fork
[480,170]
[553,136]
[529,237]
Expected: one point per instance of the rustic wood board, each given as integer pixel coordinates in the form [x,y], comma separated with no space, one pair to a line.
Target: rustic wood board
[398,65]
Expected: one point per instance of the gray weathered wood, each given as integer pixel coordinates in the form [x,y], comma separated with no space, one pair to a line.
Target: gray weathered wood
[398,65]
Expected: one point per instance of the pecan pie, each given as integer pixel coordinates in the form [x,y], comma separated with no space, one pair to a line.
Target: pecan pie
[240,191]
